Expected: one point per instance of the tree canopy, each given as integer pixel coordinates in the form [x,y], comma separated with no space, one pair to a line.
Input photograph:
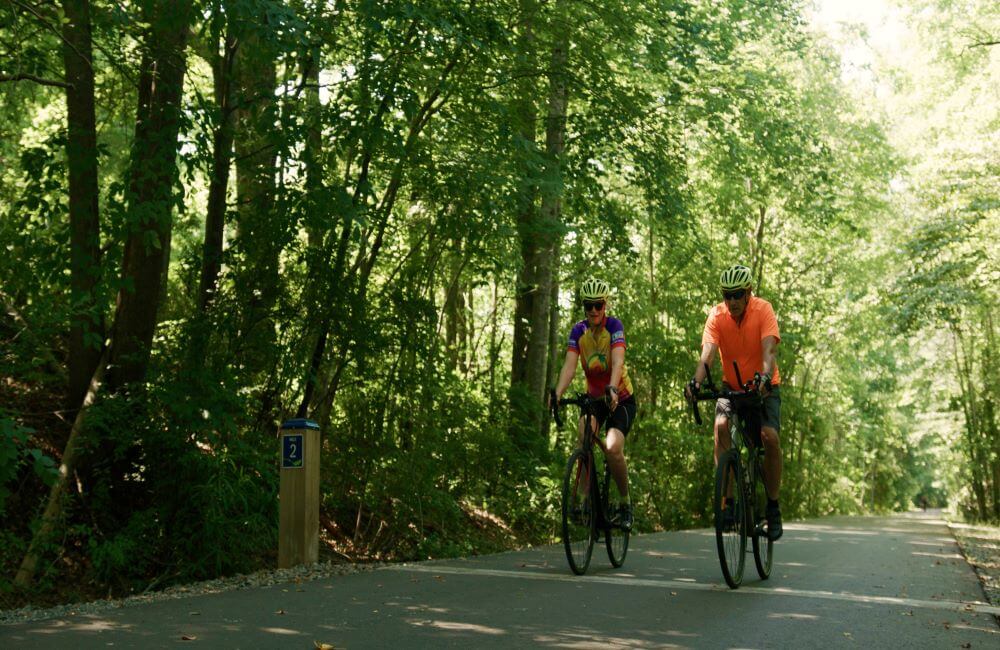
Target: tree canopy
[220,214]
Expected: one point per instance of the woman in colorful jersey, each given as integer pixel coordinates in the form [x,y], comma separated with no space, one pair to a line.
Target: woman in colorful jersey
[598,341]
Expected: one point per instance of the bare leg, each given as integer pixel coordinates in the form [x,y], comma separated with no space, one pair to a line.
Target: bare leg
[614,448]
[723,441]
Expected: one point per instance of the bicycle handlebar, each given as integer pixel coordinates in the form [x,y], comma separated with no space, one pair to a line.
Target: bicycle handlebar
[751,389]
[583,400]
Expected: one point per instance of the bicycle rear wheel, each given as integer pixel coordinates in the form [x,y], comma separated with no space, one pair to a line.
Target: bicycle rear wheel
[615,537]
[730,536]
[578,510]
[763,547]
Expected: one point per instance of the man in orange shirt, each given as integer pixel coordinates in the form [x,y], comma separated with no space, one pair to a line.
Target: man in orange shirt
[743,328]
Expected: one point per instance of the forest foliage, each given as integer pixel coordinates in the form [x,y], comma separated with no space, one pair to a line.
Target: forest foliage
[220,214]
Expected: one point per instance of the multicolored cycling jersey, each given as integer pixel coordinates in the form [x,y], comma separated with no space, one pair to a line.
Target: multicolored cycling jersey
[594,349]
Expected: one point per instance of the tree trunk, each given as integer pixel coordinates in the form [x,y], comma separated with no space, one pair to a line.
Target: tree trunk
[312,158]
[758,250]
[258,234]
[222,160]
[152,195]
[555,349]
[525,117]
[654,303]
[453,306]
[971,429]
[550,226]
[86,338]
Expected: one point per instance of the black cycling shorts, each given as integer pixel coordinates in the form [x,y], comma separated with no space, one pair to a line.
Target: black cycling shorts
[770,414]
[621,419]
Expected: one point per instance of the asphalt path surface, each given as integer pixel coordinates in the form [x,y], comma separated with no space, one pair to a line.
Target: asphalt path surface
[838,582]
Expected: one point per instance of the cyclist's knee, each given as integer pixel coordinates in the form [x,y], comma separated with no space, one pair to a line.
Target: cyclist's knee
[615,442]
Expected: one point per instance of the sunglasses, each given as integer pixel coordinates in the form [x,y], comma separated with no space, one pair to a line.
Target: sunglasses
[588,305]
[734,295]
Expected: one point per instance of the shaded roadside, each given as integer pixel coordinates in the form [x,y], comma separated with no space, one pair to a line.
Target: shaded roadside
[981,546]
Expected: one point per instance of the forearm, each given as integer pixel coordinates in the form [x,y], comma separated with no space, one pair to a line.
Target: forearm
[617,363]
[566,374]
[707,357]
[769,355]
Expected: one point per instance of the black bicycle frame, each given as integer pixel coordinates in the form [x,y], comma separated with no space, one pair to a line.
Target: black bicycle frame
[586,404]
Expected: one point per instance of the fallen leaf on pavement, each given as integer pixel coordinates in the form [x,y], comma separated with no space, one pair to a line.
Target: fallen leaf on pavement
[323,646]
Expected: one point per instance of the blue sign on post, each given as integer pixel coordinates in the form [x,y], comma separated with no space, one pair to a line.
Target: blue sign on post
[291,451]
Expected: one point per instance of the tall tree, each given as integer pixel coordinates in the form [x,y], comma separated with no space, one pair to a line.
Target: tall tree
[549,231]
[152,188]
[87,329]
[260,232]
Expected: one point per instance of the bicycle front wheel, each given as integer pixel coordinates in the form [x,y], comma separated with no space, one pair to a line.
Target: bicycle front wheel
[763,547]
[615,537]
[730,518]
[578,511]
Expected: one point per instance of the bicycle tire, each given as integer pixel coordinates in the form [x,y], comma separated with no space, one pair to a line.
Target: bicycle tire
[615,537]
[578,512]
[763,546]
[731,540]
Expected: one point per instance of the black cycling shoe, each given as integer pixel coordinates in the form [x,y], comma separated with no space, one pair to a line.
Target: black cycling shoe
[773,514]
[625,511]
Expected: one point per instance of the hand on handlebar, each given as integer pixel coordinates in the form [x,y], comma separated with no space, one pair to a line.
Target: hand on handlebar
[612,394]
[553,405]
[691,389]
[763,382]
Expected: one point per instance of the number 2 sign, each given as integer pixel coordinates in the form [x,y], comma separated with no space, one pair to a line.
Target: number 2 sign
[291,451]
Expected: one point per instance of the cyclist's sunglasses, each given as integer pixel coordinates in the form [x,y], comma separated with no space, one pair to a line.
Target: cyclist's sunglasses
[734,295]
[595,304]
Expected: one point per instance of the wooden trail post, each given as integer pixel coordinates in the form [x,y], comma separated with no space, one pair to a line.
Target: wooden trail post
[298,522]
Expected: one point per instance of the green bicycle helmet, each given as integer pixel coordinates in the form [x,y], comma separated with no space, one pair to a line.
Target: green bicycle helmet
[594,289]
[735,277]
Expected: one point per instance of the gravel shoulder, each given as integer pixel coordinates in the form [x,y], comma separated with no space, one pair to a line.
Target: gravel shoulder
[981,547]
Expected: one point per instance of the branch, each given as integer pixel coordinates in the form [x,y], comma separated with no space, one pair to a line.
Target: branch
[24,76]
[58,32]
[984,44]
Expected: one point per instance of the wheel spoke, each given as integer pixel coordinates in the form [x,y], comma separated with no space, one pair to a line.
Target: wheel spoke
[730,518]
[578,512]
[615,538]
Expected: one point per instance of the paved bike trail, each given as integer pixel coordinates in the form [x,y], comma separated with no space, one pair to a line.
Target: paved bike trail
[839,582]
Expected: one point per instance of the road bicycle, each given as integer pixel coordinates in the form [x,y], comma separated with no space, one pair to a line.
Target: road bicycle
[590,506]
[740,495]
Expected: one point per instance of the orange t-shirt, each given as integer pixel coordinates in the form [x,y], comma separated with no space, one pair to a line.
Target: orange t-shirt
[741,342]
